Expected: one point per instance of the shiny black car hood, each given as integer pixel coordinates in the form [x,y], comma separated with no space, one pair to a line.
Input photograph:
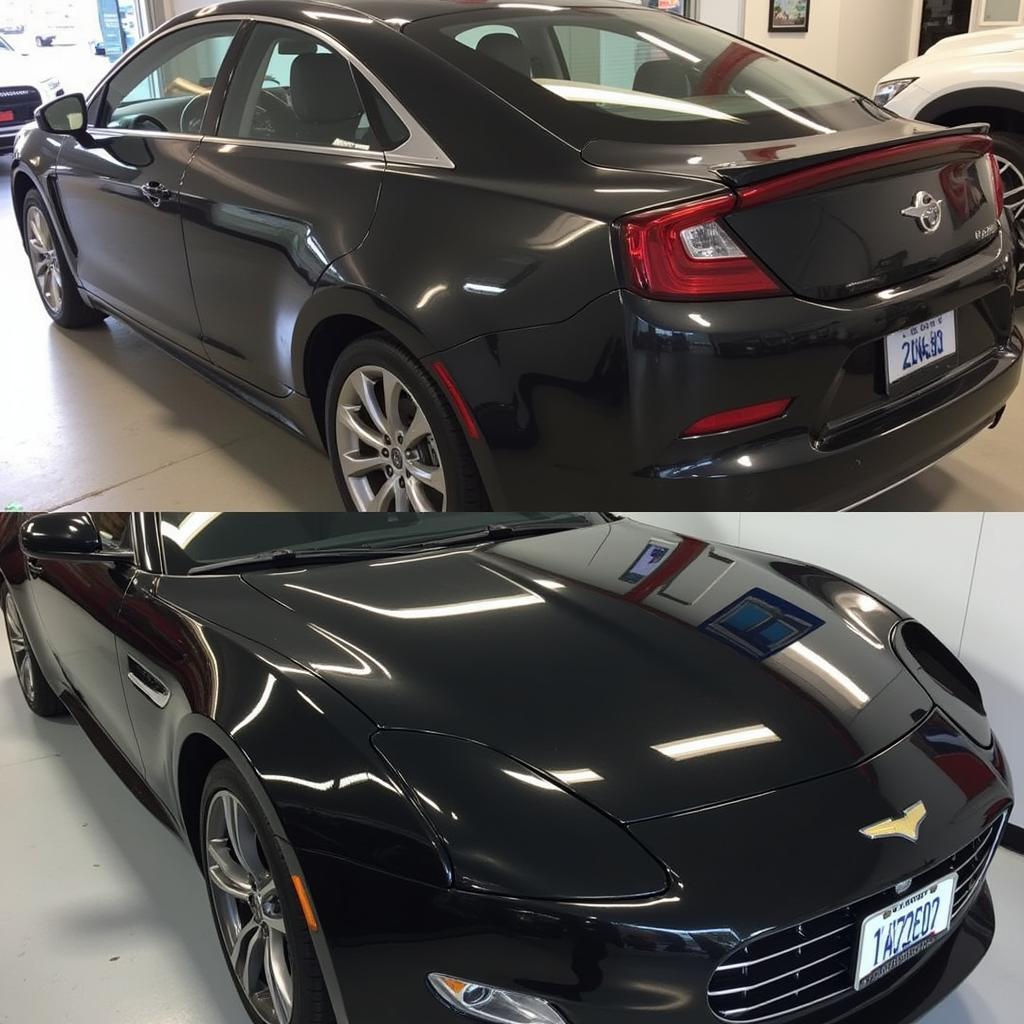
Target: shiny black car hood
[541,649]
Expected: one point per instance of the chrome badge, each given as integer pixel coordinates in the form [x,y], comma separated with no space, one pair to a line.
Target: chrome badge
[927,211]
[907,827]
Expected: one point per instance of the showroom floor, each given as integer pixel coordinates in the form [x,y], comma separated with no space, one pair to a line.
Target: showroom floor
[106,916]
[102,419]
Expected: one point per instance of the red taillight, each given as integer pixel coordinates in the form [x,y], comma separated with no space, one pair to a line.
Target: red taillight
[733,419]
[688,253]
[997,184]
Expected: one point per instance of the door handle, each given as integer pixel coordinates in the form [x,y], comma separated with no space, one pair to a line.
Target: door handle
[155,192]
[147,684]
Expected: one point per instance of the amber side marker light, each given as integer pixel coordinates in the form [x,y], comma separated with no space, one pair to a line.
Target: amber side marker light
[307,907]
[733,419]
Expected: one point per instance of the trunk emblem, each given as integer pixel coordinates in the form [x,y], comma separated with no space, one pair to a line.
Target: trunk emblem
[927,211]
[906,827]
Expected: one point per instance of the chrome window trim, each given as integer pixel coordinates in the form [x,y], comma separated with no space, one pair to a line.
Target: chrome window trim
[418,150]
[135,133]
[302,147]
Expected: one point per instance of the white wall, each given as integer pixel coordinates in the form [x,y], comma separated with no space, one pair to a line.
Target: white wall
[856,42]
[959,573]
[727,15]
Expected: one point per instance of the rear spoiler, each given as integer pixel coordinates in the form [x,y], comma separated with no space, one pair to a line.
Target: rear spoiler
[757,163]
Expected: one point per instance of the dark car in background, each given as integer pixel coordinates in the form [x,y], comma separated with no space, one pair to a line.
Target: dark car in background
[520,255]
[536,769]
[24,85]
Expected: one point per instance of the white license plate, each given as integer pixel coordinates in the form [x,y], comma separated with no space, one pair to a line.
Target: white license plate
[909,351]
[897,934]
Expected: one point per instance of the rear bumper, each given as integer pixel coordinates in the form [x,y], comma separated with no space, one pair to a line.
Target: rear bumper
[588,411]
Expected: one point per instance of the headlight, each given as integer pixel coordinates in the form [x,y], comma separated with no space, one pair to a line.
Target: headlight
[494,1004]
[888,91]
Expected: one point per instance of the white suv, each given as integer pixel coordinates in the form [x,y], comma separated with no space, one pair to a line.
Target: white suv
[968,78]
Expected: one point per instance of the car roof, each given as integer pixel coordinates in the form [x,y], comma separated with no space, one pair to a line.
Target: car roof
[385,10]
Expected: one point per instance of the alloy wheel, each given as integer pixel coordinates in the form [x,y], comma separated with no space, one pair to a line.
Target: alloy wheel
[19,649]
[248,909]
[43,255]
[386,446]
[1013,185]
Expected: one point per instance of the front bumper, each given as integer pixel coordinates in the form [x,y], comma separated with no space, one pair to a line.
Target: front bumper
[651,961]
[589,411]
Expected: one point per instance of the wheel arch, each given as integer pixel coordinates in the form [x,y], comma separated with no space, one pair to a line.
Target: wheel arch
[1001,108]
[202,744]
[333,318]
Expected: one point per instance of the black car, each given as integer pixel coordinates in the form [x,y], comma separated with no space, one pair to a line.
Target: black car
[536,769]
[521,255]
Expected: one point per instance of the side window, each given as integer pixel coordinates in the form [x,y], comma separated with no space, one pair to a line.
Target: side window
[291,88]
[167,86]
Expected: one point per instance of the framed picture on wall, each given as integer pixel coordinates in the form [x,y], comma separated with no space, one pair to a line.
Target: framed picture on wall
[788,15]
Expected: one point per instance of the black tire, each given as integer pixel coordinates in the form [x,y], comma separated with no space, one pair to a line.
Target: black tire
[310,1002]
[72,310]
[463,486]
[35,688]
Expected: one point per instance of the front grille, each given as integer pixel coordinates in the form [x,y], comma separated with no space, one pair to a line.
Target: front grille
[805,967]
[21,100]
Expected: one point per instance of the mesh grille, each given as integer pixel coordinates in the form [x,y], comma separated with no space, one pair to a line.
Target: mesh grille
[804,967]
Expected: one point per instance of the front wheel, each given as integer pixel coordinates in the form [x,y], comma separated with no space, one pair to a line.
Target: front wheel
[34,687]
[260,923]
[394,441]
[54,281]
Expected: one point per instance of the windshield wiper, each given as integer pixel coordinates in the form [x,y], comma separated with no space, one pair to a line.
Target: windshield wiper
[289,556]
[499,531]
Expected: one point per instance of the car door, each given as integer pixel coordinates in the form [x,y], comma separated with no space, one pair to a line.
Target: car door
[120,196]
[288,185]
[77,605]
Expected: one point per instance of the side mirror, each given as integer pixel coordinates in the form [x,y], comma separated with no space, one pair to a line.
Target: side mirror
[66,115]
[68,536]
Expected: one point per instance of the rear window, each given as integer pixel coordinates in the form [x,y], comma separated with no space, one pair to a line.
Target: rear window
[638,75]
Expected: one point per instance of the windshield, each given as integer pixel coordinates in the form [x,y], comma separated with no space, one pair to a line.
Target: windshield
[191,539]
[638,76]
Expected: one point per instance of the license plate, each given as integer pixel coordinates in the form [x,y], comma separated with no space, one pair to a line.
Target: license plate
[897,934]
[909,351]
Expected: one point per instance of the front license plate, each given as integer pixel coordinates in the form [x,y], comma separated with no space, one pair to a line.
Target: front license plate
[897,934]
[909,351]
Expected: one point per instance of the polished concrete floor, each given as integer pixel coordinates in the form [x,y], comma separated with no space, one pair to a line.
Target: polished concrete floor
[102,419]
[105,915]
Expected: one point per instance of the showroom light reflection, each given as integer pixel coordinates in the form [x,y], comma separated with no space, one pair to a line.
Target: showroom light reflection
[717,742]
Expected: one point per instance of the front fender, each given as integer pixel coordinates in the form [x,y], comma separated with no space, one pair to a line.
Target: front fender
[991,95]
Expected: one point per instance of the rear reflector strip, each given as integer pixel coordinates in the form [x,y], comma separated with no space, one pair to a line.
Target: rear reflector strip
[462,408]
[833,172]
[733,419]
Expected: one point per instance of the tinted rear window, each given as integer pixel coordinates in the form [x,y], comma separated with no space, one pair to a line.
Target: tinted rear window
[637,76]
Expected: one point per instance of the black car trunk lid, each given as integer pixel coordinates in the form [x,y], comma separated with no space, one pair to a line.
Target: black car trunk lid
[835,216]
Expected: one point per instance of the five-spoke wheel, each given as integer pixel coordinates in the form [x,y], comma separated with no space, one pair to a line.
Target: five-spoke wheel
[248,908]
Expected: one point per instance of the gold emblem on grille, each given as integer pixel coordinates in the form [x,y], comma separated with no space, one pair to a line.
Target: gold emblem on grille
[907,827]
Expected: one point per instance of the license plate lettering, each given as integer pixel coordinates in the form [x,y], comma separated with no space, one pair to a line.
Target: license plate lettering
[922,345]
[897,934]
